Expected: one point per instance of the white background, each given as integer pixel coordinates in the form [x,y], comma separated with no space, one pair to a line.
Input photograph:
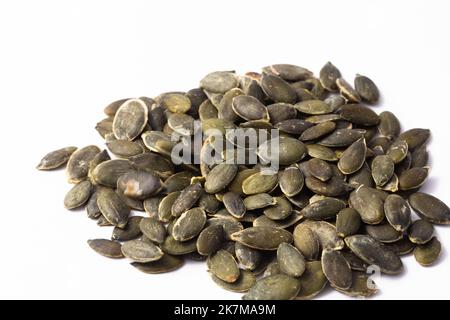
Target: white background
[61,62]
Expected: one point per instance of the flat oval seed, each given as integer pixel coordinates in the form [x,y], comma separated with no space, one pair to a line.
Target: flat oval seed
[288,151]
[341,138]
[107,248]
[112,207]
[78,195]
[219,82]
[362,177]
[313,281]
[419,158]
[247,257]
[167,263]
[334,187]
[280,210]
[220,177]
[139,185]
[368,203]
[328,76]
[290,260]
[207,111]
[245,281]
[107,173]
[259,183]
[223,265]
[319,169]
[293,126]
[321,152]
[153,229]
[130,232]
[362,286]
[263,238]
[176,102]
[412,178]
[56,159]
[355,263]
[289,72]
[177,248]
[372,252]
[430,208]
[401,247]
[389,125]
[313,107]
[225,107]
[318,131]
[275,287]
[77,168]
[165,207]
[384,233]
[249,108]
[336,269]
[366,89]
[420,232]
[187,198]
[291,181]
[178,181]
[281,111]
[234,204]
[124,148]
[210,239]
[382,170]
[181,123]
[323,209]
[140,251]
[415,137]
[359,114]
[277,89]
[397,212]
[130,119]
[189,224]
[347,91]
[326,234]
[348,222]
[259,201]
[398,151]
[306,242]
[230,226]
[353,157]
[428,253]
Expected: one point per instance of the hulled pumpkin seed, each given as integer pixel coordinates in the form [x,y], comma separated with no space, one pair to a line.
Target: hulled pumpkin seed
[259,183]
[348,222]
[189,224]
[247,257]
[107,173]
[277,89]
[384,233]
[78,195]
[223,265]
[130,232]
[353,157]
[412,178]
[262,238]
[324,209]
[366,89]
[281,111]
[210,239]
[368,203]
[336,269]
[78,164]
[245,281]
[347,90]
[382,169]
[275,287]
[328,76]
[313,280]
[130,119]
[318,131]
[177,248]
[397,212]
[140,251]
[219,81]
[234,204]
[220,177]
[326,234]
[258,201]
[341,138]
[107,248]
[112,207]
[280,210]
[56,159]
[427,254]
[430,208]
[359,114]
[139,184]
[249,108]
[313,107]
[290,260]
[153,229]
[306,242]
[166,263]
[415,137]
[186,199]
[420,232]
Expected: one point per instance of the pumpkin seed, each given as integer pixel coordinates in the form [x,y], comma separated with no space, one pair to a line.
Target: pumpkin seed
[245,281]
[290,260]
[186,199]
[412,178]
[258,201]
[281,111]
[140,251]
[313,280]
[359,114]
[249,108]
[275,287]
[165,206]
[107,248]
[366,89]
[280,210]
[313,107]
[341,138]
[112,207]
[347,90]
[318,131]
[397,212]
[219,82]
[289,72]
[353,157]
[262,238]
[336,269]
[420,232]
[326,234]
[131,231]
[415,137]
[139,184]
[130,119]
[368,203]
[223,265]
[360,287]
[324,209]
[220,177]
[153,229]
[328,76]
[348,222]
[259,183]
[277,89]
[177,248]
[77,168]
[210,239]
[321,152]
[108,173]
[176,103]
[165,264]
[56,159]
[247,257]
[189,224]
[430,208]
[427,254]
[398,151]
[78,195]
[382,169]
[384,233]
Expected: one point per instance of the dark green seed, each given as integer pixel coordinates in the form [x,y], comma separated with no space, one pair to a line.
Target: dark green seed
[140,251]
[359,114]
[210,239]
[107,248]
[223,265]
[415,137]
[276,287]
[130,232]
[397,212]
[263,238]
[189,224]
[280,210]
[234,204]
[366,89]
[290,260]
[420,232]
[318,131]
[248,258]
[277,89]
[56,159]
[220,177]
[368,203]
[313,281]
[78,195]
[430,208]
[245,281]
[412,178]
[186,199]
[384,233]
[348,222]
[336,269]
[428,253]
[328,76]
[323,209]
[167,263]
[153,229]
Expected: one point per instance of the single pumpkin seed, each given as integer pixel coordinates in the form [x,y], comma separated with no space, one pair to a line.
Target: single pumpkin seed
[247,257]
[259,183]
[313,107]
[420,232]
[318,131]
[326,234]
[210,239]
[307,242]
[328,76]
[348,222]
[280,210]
[275,287]
[397,212]
[415,137]
[313,281]
[382,169]
[347,90]
[112,207]
[323,209]
[220,177]
[277,89]
[131,231]
[245,281]
[130,119]
[359,114]
[384,233]
[140,251]
[336,269]
[77,168]
[427,254]
[368,203]
[177,248]
[290,260]
[153,229]
[219,81]
[186,199]
[107,248]
[167,263]
[56,159]
[139,185]
[262,238]
[223,265]
[78,195]
[412,178]
[258,201]
[430,208]
[366,89]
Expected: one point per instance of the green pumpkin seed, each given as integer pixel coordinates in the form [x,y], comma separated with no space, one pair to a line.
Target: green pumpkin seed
[313,107]
[353,157]
[335,101]
[245,281]
[234,204]
[111,109]
[318,131]
[220,177]
[56,159]
[366,89]
[430,208]
[225,108]
[362,177]
[108,173]
[348,222]
[334,187]
[92,210]
[177,248]
[124,148]
[313,281]
[151,206]
[347,90]
[328,76]
[420,232]
[280,210]
[289,151]
[130,232]
[341,138]
[258,201]
[412,178]
[355,263]
[165,206]
[207,111]
[427,254]
[259,183]
[389,125]
[382,170]
[275,287]
[384,233]
[112,207]
[219,82]
[153,229]
[277,89]
[130,119]
[186,199]
[419,158]
[78,195]
[415,138]
[326,234]
[372,252]
[178,181]
[401,247]
[359,114]
[249,108]
[336,269]
[398,151]
[319,169]
[189,224]
[229,225]
[324,209]
[223,265]
[181,123]
[281,111]
[368,203]
[139,184]
[140,251]
[106,248]
[264,221]
[307,242]
[290,261]
[210,239]
[165,264]
[362,286]
[397,212]
[262,238]
[77,168]
[247,257]
[293,126]
[321,152]
[291,181]
[289,72]
[176,102]
[209,203]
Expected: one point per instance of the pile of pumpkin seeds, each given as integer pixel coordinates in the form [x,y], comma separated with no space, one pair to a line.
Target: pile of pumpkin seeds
[339,204]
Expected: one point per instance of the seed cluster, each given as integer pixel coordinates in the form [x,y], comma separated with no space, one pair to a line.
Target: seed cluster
[340,202]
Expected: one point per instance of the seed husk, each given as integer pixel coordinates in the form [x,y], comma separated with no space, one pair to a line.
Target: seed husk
[384,233]
[368,203]
[247,257]
[412,178]
[313,281]
[112,207]
[328,76]
[130,232]
[56,159]
[318,131]
[234,204]
[77,168]
[258,201]
[353,157]
[210,239]
[397,212]
[140,251]
[130,119]
[382,169]
[430,208]
[290,260]
[427,254]
[323,209]
[262,238]
[372,252]
[348,222]
[336,269]
[165,264]
[153,229]
[275,287]
[313,107]
[259,183]
[245,281]
[366,89]
[78,195]
[223,265]
[177,248]
[106,248]
[415,138]
[280,210]
[347,90]
[219,81]
[186,199]
[420,232]
[341,138]
[277,89]
[359,114]
[220,177]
